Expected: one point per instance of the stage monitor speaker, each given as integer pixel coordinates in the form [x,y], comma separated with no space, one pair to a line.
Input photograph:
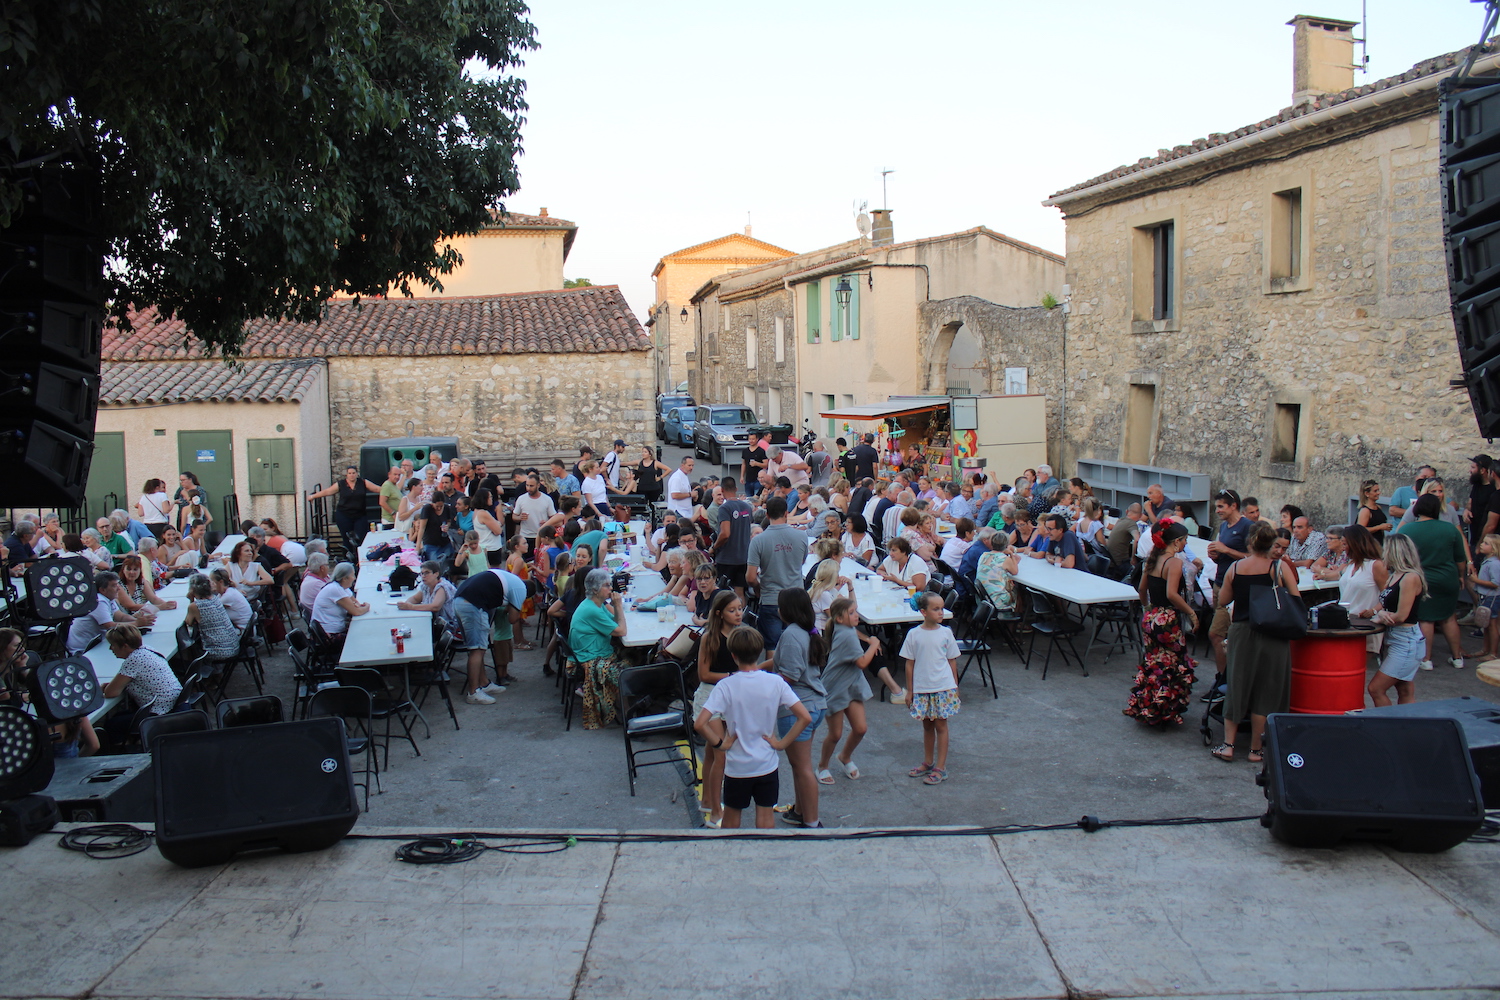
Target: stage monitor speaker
[1481,723]
[284,786]
[114,789]
[1405,782]
[1470,170]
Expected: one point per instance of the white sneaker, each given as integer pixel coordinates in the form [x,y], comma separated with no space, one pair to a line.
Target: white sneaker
[1458,664]
[493,689]
[478,698]
[1425,665]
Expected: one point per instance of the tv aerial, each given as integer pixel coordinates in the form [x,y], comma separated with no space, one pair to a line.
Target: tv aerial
[862,218]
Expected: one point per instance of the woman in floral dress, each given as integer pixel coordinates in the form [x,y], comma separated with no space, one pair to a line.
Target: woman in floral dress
[1164,684]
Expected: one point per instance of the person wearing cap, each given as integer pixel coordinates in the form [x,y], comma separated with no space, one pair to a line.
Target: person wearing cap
[1164,682]
[612,460]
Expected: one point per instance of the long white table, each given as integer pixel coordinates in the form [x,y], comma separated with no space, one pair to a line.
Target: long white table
[1075,586]
[368,642]
[880,602]
[224,548]
[1305,580]
[162,638]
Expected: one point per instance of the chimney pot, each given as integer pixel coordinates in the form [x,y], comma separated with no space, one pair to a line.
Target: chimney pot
[882,233]
[1322,57]
[543,212]
[747,230]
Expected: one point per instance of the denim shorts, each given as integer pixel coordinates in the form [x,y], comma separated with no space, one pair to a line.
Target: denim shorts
[475,621]
[784,725]
[1405,649]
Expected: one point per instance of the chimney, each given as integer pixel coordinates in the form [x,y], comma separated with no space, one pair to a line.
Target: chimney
[747,230]
[882,234]
[543,212]
[1322,57]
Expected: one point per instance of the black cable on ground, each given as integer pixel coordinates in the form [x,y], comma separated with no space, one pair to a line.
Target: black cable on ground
[107,841]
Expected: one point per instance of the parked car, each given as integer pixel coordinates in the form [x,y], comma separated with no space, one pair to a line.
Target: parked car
[665,402]
[720,428]
[679,423]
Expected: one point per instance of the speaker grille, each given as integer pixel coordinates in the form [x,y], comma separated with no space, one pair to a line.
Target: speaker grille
[1400,767]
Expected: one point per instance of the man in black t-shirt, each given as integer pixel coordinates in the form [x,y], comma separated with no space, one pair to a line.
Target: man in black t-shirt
[864,458]
[1225,550]
[1481,491]
[433,524]
[754,463]
[731,549]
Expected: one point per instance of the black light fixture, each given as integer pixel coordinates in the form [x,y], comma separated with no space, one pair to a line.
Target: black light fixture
[61,588]
[65,689]
[843,291]
[25,754]
[683,315]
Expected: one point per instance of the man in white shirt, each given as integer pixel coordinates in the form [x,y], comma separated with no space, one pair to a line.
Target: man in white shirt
[680,489]
[782,461]
[531,510]
[84,630]
[612,461]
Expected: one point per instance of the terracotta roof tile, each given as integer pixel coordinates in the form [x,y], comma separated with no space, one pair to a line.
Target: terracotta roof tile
[1427,67]
[589,320]
[133,382]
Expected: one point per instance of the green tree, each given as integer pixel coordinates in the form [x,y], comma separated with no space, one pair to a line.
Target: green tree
[257,157]
[577,283]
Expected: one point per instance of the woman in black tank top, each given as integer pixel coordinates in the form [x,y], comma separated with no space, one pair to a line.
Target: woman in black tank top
[648,475]
[1405,644]
[1260,666]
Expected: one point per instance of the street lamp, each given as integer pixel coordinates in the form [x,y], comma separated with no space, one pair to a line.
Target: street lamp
[682,316]
[844,291]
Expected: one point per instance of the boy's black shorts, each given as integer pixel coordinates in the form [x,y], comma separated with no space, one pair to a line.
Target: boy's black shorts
[762,789]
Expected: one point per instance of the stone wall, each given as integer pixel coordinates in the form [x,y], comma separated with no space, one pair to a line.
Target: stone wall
[493,403]
[760,313]
[1366,350]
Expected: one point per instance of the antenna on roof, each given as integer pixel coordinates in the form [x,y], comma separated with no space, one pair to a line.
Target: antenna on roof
[885,201]
[1364,28]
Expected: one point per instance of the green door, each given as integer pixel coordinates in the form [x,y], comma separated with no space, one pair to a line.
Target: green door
[106,487]
[209,455]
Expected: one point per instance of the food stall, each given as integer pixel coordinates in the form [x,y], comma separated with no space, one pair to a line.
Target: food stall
[1000,434]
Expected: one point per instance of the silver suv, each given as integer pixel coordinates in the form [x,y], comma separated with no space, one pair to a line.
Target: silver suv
[722,427]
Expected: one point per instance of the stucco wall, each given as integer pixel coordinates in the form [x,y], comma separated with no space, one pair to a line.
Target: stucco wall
[497,262]
[493,403]
[1367,350]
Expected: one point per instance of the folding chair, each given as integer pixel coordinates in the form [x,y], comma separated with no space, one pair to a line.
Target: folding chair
[640,688]
[247,655]
[352,704]
[384,703]
[1055,626]
[977,644]
[153,727]
[307,680]
[261,710]
[434,674]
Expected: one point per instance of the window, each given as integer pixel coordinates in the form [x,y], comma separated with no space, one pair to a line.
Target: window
[724,318]
[780,345]
[1284,432]
[1286,234]
[773,406]
[751,348]
[814,322]
[829,404]
[807,406]
[1286,247]
[1153,275]
[749,401]
[1140,425]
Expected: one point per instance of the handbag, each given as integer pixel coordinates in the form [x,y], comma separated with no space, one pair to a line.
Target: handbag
[1482,615]
[1277,612]
[681,643]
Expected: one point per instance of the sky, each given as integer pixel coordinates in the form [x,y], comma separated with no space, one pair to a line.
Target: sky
[656,125]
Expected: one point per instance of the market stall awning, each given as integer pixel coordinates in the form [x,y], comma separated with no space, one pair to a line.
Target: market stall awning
[892,408]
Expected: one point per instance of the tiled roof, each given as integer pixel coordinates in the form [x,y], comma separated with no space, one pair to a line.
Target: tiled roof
[1427,67]
[518,220]
[573,321]
[133,382]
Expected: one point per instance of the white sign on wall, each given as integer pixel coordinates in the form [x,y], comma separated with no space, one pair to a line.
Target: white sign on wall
[1015,381]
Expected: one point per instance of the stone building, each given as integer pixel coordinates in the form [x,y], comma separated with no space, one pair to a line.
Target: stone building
[1270,306]
[539,371]
[514,253]
[678,275]
[970,298]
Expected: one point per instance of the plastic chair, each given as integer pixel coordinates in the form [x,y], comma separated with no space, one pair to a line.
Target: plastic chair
[153,727]
[352,704]
[385,703]
[261,710]
[248,656]
[307,680]
[977,644]
[434,674]
[639,688]
[1056,627]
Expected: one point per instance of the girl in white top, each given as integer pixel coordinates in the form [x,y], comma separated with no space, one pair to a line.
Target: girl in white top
[594,490]
[857,541]
[491,532]
[154,506]
[409,507]
[827,586]
[1090,525]
[247,575]
[1363,579]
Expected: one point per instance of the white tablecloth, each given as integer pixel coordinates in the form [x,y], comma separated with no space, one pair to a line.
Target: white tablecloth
[1305,581]
[369,644]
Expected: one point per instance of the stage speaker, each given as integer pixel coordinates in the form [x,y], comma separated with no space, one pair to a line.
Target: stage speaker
[114,789]
[1480,720]
[1407,782]
[222,792]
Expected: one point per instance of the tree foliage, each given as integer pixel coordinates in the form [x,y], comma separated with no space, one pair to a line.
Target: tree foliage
[577,283]
[257,157]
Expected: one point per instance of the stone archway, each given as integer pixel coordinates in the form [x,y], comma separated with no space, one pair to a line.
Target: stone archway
[968,370]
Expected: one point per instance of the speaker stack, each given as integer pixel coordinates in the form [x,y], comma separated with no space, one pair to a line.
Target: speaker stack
[52,304]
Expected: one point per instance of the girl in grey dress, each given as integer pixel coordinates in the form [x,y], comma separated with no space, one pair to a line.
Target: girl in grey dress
[844,680]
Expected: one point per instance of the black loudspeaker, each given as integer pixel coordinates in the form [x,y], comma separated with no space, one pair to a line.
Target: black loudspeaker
[24,818]
[51,319]
[221,792]
[1405,782]
[113,789]
[1480,720]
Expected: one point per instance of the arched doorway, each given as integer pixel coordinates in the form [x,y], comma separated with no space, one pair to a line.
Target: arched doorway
[967,372]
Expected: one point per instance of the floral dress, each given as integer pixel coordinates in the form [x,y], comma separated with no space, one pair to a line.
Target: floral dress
[996,581]
[1164,683]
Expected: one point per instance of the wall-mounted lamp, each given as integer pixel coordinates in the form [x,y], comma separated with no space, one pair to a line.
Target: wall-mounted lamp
[683,315]
[843,291]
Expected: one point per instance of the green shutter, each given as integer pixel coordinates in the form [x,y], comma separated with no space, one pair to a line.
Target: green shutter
[272,468]
[835,312]
[814,311]
[854,309]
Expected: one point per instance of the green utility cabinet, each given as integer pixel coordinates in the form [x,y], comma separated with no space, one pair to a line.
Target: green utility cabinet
[272,465]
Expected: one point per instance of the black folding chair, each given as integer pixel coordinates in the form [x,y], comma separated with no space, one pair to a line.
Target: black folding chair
[153,727]
[976,643]
[644,691]
[1056,627]
[262,710]
[433,675]
[385,703]
[353,705]
[308,681]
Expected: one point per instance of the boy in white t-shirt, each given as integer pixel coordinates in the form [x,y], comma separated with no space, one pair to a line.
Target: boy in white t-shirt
[739,720]
[931,655]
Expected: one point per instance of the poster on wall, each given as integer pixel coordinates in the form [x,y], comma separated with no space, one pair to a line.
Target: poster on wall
[1015,381]
[207,455]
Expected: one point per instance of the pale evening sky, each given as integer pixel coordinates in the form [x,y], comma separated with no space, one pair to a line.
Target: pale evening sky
[658,125]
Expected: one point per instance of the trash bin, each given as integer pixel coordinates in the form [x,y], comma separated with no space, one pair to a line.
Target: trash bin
[780,433]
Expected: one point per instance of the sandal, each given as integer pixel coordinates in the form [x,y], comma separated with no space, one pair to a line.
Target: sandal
[920,771]
[1257,754]
[713,824]
[1223,751]
[850,768]
[525,647]
[935,777]
[825,777]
